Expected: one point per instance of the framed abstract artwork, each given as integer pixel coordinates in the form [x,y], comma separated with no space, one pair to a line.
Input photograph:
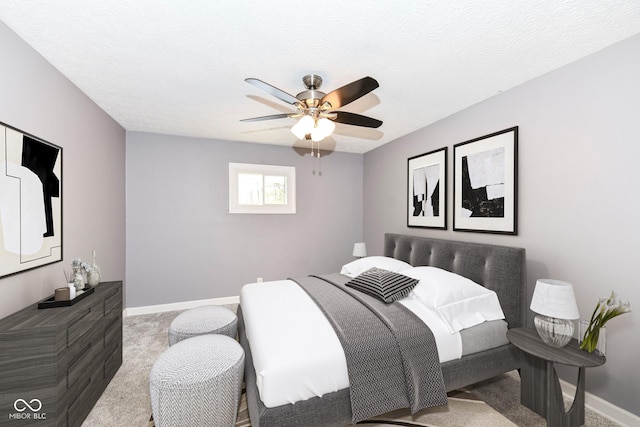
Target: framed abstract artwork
[427,190]
[485,189]
[30,201]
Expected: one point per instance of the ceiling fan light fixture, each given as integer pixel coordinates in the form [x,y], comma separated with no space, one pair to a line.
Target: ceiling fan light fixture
[324,127]
[304,127]
[316,109]
[327,126]
[316,136]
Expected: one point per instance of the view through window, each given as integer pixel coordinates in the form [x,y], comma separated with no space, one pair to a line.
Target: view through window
[257,188]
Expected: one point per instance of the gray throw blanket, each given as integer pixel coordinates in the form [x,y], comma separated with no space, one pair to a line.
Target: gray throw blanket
[392,358]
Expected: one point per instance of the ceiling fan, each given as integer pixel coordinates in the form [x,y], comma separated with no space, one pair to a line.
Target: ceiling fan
[316,109]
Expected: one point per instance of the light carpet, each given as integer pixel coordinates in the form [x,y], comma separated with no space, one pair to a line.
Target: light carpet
[126,400]
[464,409]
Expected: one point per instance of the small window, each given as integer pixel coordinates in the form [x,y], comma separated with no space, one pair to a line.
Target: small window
[262,189]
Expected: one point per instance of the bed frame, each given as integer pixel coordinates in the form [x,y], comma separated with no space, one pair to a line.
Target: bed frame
[499,268]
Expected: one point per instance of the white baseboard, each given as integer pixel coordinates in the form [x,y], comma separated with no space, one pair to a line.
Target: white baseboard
[161,308]
[602,407]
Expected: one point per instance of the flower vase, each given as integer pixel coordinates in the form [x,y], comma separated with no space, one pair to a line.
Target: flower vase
[93,277]
[596,341]
[93,274]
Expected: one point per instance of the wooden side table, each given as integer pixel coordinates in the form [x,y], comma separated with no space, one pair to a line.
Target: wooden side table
[540,387]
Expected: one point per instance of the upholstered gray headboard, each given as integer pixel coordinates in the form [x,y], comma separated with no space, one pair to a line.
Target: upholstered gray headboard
[500,268]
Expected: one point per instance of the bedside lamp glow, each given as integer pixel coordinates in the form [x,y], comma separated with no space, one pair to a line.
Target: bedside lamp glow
[555,305]
[360,250]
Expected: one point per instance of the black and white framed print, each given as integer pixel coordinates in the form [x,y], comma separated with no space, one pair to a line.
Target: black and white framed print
[485,188]
[30,201]
[427,190]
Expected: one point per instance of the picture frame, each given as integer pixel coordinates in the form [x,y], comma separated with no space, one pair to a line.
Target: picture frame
[485,190]
[427,190]
[30,201]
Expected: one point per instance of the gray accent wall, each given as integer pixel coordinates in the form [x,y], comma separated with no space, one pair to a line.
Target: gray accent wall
[37,99]
[579,192]
[182,243]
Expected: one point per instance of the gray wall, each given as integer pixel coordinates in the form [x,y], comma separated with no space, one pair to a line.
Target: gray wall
[577,212]
[578,191]
[35,98]
[182,244]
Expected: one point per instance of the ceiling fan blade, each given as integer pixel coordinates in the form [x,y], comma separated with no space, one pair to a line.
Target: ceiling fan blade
[271,117]
[349,93]
[278,93]
[356,119]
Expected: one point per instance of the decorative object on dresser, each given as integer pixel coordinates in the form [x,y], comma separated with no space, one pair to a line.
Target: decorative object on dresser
[30,201]
[76,275]
[485,183]
[84,273]
[62,294]
[556,308]
[93,273]
[540,388]
[52,302]
[61,359]
[427,190]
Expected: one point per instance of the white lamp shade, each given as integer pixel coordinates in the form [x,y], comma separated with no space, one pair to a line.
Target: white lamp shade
[316,135]
[554,298]
[324,128]
[360,249]
[304,126]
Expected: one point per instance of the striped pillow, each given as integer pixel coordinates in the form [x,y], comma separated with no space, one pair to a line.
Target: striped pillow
[383,284]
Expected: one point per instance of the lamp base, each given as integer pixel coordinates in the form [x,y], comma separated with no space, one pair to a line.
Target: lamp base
[554,332]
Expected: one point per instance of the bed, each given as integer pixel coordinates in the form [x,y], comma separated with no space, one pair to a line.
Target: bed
[497,268]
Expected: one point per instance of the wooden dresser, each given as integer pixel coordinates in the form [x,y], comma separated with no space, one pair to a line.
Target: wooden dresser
[56,362]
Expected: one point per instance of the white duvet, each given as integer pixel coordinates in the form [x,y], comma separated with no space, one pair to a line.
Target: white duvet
[296,353]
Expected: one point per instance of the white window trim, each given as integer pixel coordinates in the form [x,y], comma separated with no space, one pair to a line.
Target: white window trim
[235,207]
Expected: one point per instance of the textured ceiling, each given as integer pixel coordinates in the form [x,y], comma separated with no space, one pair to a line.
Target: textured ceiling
[178,67]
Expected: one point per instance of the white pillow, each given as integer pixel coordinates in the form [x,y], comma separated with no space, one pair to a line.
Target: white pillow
[460,302]
[361,265]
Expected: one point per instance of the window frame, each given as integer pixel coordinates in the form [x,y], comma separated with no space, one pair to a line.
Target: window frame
[235,207]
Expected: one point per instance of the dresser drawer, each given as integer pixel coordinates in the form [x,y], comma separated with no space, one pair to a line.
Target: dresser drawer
[79,364]
[86,319]
[113,300]
[86,355]
[77,409]
[113,329]
[114,361]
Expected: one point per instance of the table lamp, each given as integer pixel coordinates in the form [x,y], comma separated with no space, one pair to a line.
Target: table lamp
[359,250]
[555,305]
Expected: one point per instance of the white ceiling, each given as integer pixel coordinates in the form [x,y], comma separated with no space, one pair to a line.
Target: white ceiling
[178,67]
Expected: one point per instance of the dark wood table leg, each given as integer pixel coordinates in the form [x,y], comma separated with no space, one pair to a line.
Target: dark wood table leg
[576,412]
[556,415]
[540,391]
[540,387]
[533,384]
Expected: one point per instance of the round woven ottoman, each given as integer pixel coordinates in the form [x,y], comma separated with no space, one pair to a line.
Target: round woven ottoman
[208,319]
[197,382]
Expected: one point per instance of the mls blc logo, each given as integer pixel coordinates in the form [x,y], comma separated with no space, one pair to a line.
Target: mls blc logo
[28,410]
